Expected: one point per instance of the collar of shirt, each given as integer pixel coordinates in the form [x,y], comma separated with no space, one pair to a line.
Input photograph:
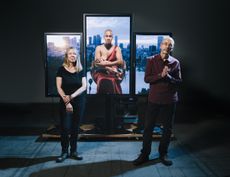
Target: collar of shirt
[168,60]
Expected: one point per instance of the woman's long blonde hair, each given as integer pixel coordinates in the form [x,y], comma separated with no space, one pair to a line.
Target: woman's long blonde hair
[78,65]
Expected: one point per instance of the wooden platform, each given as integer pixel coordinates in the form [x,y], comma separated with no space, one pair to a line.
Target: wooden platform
[105,136]
[129,133]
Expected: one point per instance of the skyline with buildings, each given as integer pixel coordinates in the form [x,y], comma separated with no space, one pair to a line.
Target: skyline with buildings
[93,42]
[120,25]
[56,48]
[96,40]
[90,54]
[57,44]
[146,46]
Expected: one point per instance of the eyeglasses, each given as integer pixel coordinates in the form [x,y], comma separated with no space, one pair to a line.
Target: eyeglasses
[108,36]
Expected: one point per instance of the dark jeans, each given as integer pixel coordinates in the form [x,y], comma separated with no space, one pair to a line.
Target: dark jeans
[70,124]
[167,112]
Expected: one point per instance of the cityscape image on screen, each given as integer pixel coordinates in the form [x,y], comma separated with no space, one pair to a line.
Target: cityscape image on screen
[95,27]
[56,45]
[147,45]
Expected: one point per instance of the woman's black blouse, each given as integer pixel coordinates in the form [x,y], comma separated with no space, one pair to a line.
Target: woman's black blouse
[70,81]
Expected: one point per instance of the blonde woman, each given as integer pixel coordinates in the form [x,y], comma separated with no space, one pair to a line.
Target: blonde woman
[71,85]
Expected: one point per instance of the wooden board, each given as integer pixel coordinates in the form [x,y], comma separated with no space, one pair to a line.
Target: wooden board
[105,136]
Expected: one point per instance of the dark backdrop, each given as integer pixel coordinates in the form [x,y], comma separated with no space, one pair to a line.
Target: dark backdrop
[199,29]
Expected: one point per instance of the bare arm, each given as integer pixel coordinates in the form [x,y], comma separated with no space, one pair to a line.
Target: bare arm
[97,56]
[119,57]
[81,89]
[118,62]
[60,90]
[98,60]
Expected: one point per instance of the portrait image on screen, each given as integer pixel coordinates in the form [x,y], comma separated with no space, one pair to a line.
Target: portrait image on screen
[146,45]
[107,53]
[55,48]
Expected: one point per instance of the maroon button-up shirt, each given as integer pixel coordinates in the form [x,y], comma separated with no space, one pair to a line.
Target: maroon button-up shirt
[163,90]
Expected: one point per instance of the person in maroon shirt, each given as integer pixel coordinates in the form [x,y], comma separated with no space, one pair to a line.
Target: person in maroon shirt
[163,74]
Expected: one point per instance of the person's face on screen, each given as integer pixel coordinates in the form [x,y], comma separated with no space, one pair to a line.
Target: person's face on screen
[166,46]
[72,55]
[108,36]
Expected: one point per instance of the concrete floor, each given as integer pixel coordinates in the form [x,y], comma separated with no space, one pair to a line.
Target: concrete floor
[201,149]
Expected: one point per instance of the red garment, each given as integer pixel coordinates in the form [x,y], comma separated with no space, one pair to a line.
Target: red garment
[107,82]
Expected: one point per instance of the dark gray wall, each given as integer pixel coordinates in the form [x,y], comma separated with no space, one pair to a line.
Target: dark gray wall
[199,28]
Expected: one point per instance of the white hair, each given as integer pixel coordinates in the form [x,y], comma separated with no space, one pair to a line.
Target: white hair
[170,39]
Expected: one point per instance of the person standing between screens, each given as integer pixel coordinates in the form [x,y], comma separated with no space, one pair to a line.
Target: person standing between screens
[163,73]
[71,87]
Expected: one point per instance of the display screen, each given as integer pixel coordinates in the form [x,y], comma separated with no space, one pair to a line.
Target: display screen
[113,78]
[55,48]
[146,45]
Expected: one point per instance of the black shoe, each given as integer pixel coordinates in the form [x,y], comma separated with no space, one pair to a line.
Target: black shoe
[165,160]
[62,157]
[75,156]
[141,159]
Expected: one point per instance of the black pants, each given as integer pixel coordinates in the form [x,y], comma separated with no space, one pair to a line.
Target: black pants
[69,124]
[167,112]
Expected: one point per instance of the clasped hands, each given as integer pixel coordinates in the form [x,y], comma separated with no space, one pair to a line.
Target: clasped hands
[67,99]
[165,72]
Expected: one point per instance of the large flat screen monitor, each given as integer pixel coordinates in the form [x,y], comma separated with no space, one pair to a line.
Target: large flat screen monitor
[55,48]
[146,45]
[107,40]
